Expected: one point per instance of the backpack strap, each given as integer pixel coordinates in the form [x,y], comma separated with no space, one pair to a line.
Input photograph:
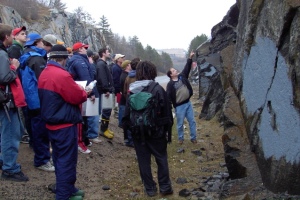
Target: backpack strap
[151,86]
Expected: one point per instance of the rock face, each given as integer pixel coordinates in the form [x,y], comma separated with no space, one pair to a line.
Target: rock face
[258,44]
[64,26]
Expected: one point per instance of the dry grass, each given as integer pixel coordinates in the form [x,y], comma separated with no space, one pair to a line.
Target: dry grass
[185,165]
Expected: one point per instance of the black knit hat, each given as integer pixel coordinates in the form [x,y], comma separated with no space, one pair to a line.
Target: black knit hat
[89,53]
[58,51]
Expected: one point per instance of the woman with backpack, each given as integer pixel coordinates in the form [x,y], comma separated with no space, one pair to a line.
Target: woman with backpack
[148,139]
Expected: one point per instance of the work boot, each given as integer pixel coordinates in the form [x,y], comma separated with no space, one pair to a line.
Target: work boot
[107,134]
[112,133]
[104,126]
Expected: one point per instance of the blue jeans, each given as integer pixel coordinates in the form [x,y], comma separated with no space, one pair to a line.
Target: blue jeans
[121,113]
[10,135]
[92,126]
[185,111]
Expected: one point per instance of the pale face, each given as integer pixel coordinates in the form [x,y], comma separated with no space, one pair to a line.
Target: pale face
[82,50]
[21,37]
[47,48]
[128,67]
[120,60]
[174,72]
[107,54]
[40,44]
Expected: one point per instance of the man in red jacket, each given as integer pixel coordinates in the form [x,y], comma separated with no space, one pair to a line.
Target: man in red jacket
[60,98]
[10,131]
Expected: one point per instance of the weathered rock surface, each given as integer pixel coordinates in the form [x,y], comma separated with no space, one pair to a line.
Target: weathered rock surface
[257,44]
[64,26]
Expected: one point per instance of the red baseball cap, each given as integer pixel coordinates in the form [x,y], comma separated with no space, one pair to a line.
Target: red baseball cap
[18,30]
[78,45]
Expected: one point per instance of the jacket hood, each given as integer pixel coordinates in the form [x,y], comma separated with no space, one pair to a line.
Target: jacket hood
[132,73]
[138,86]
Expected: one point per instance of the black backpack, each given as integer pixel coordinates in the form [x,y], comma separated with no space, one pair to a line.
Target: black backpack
[143,111]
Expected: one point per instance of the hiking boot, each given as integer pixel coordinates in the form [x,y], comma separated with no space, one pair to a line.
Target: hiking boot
[47,167]
[129,144]
[52,187]
[87,151]
[194,141]
[76,198]
[112,133]
[18,177]
[96,140]
[151,193]
[167,192]
[25,139]
[79,193]
[107,134]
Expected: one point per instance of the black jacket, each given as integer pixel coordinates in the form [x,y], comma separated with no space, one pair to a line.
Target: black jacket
[104,78]
[164,113]
[183,76]
[36,63]
[15,50]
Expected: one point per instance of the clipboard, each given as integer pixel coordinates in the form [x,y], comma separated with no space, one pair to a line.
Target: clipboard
[108,102]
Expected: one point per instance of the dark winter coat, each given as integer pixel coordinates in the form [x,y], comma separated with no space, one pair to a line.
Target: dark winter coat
[183,76]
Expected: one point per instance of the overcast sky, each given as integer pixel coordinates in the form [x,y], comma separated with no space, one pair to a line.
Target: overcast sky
[162,24]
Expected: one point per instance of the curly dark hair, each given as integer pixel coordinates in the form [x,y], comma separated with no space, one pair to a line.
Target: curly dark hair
[145,70]
[134,63]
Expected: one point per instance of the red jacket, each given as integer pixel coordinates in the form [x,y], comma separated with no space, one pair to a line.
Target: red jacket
[17,91]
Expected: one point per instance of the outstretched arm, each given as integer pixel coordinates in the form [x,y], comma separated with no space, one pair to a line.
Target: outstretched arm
[187,68]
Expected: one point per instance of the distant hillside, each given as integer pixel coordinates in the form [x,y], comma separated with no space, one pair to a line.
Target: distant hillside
[175,52]
[177,55]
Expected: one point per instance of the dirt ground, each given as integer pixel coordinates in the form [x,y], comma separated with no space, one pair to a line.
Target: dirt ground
[114,165]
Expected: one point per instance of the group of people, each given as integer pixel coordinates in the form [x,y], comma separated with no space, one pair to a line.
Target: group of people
[41,73]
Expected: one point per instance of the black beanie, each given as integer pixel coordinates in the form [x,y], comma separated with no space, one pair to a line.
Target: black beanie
[58,51]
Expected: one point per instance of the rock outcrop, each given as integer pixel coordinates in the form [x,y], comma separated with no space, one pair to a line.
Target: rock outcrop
[64,26]
[257,47]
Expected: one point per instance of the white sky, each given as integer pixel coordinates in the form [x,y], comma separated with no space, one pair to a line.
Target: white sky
[162,24]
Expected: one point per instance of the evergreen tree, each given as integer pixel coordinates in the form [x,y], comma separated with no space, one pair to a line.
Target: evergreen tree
[57,4]
[196,42]
[105,30]
[166,62]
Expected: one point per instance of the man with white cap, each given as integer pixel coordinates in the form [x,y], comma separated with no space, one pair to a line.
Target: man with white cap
[116,74]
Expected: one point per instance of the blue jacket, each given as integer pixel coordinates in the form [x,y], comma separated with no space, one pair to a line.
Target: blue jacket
[116,74]
[80,68]
[31,65]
